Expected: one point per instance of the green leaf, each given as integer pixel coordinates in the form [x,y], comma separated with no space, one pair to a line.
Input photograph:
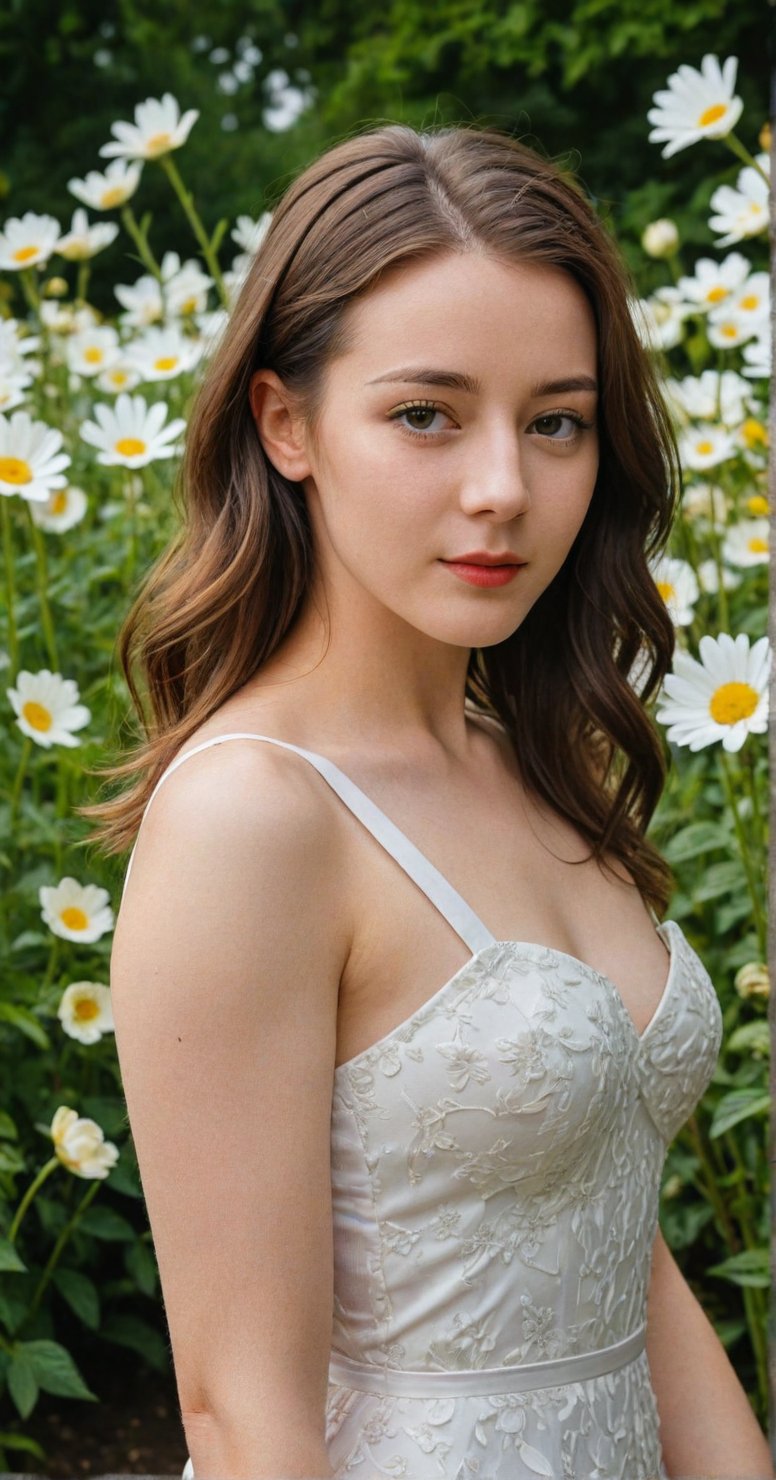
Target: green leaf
[10,1262]
[21,1383]
[126,1330]
[8,1130]
[80,1294]
[752,1037]
[739,1105]
[696,838]
[106,1223]
[140,1263]
[55,1370]
[750,1267]
[218,235]
[26,1022]
[723,878]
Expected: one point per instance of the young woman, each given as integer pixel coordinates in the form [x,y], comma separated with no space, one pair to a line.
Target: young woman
[402,1042]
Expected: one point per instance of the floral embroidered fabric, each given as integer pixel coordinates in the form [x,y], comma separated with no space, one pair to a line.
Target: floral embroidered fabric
[496,1163]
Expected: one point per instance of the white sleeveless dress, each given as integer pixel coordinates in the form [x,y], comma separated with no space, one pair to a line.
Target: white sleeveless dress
[496,1163]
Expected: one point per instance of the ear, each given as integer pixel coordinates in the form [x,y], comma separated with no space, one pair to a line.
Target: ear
[279,425]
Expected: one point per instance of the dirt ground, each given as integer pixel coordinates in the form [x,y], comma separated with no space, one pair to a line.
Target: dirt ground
[135,1429]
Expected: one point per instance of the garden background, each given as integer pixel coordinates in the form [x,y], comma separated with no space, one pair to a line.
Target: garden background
[85,1371]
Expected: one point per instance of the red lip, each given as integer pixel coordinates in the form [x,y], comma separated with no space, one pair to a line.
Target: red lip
[481,557]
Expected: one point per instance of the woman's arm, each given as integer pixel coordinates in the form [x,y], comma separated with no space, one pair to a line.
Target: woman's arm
[225,974]
[707,1428]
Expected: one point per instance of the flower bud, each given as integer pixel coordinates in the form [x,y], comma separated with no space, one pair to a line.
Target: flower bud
[54,287]
[764,138]
[752,980]
[660,238]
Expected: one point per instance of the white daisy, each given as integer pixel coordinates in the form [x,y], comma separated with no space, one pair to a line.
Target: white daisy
[728,331]
[746,543]
[696,105]
[142,300]
[249,234]
[742,212]
[13,384]
[76,911]
[66,507]
[676,582]
[704,446]
[752,437]
[711,396]
[131,433]
[86,1012]
[162,354]
[16,343]
[47,709]
[757,506]
[757,357]
[31,463]
[82,240]
[103,192]
[28,241]
[81,1146]
[211,326]
[185,286]
[158,129]
[751,302]
[65,319]
[120,376]
[722,697]
[659,319]
[708,577]
[705,503]
[659,239]
[92,350]
[713,282]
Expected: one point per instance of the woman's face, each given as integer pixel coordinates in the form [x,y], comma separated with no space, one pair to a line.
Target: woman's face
[462,419]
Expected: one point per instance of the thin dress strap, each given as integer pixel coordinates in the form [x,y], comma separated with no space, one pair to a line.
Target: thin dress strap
[434,885]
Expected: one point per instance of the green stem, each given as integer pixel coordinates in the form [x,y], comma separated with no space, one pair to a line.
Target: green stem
[743,848]
[84,270]
[10,585]
[41,582]
[708,1185]
[19,782]
[741,152]
[187,201]
[56,1252]
[131,560]
[141,242]
[30,290]
[45,1171]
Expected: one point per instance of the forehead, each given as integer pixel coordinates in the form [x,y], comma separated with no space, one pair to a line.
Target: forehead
[491,310]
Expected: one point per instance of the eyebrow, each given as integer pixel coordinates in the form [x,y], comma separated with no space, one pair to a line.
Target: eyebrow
[460,381]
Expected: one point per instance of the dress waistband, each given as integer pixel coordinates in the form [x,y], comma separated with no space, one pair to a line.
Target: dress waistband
[476,1382]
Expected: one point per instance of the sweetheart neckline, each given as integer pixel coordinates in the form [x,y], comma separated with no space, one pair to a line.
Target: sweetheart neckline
[530,948]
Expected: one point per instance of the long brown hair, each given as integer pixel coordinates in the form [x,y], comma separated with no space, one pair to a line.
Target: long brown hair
[221,597]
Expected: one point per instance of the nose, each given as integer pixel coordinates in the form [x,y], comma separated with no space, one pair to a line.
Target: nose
[495,478]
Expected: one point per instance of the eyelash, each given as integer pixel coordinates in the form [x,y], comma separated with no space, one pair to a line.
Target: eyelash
[579,421]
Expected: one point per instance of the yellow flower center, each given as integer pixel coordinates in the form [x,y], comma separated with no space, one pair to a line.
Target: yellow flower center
[93,355]
[74,918]
[158,144]
[118,377]
[130,446]
[85,1009]
[704,449]
[751,300]
[667,591]
[754,433]
[25,253]
[15,470]
[712,114]
[59,501]
[757,505]
[168,362]
[189,306]
[716,295]
[730,331]
[37,715]
[757,546]
[732,702]
[113,197]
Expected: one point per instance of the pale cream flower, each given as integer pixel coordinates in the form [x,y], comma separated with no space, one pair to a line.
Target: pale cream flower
[746,543]
[675,580]
[66,507]
[753,980]
[711,396]
[47,708]
[85,1011]
[742,212]
[705,503]
[722,697]
[708,576]
[142,301]
[81,1146]
[82,240]
[76,911]
[659,239]
[757,357]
